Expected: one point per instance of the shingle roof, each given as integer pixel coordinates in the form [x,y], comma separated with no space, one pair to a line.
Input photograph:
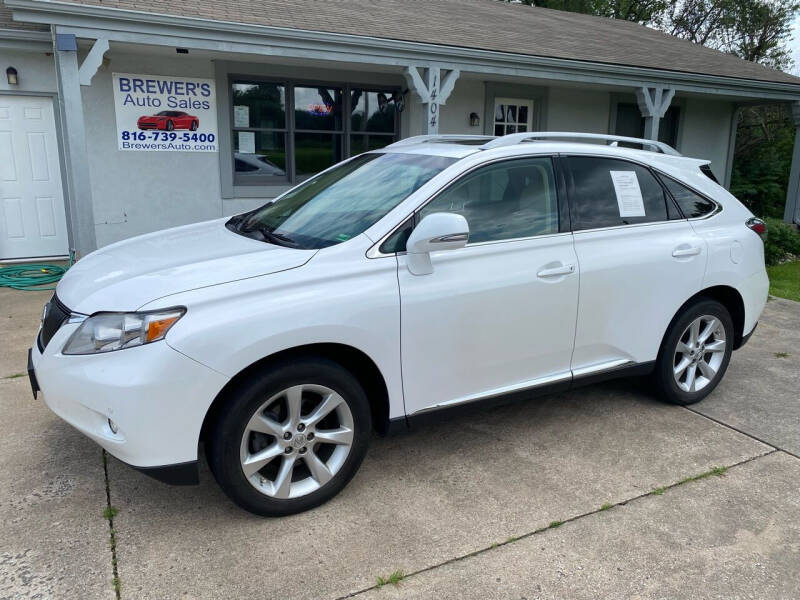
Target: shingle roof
[7,23]
[480,24]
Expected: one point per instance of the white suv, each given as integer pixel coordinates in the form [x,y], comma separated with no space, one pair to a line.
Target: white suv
[433,274]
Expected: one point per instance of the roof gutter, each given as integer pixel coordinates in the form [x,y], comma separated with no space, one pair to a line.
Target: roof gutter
[94,21]
[25,39]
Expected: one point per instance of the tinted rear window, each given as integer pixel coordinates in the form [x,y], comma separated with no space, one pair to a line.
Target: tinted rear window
[594,197]
[692,204]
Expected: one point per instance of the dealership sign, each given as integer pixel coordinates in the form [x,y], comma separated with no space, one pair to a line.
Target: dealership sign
[165,114]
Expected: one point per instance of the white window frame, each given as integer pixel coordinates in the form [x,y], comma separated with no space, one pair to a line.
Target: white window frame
[505,123]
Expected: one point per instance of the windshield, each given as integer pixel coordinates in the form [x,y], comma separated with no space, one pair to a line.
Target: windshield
[341,203]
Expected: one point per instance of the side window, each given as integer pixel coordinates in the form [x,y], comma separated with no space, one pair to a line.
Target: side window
[692,204]
[608,192]
[243,167]
[397,241]
[507,200]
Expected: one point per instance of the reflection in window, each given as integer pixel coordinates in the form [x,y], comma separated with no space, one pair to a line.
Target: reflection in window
[364,143]
[595,198]
[341,203]
[273,145]
[315,152]
[259,105]
[259,154]
[507,200]
[318,108]
[692,204]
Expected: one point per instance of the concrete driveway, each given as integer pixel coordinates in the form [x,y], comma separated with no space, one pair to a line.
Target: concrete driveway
[602,492]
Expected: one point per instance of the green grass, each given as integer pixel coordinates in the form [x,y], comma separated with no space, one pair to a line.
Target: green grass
[109,512]
[606,506]
[784,280]
[781,354]
[394,579]
[555,524]
[15,376]
[718,471]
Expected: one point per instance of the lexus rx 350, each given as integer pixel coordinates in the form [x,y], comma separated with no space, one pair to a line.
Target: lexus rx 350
[433,274]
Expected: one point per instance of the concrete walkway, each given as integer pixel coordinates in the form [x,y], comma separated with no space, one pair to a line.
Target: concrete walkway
[505,503]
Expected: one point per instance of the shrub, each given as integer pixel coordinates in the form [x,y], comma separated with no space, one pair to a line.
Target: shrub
[783,241]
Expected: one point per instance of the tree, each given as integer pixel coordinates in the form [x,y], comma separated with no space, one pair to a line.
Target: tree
[755,30]
[642,11]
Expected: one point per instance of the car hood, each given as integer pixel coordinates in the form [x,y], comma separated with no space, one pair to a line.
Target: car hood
[126,275]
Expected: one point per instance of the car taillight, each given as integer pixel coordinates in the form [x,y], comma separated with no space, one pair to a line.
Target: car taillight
[758,226]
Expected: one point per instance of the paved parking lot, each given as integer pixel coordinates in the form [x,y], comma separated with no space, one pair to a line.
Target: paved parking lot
[552,498]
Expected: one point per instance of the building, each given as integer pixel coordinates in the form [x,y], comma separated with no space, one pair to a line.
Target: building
[120,117]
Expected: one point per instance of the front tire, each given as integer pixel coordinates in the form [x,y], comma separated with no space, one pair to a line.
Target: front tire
[695,352]
[291,438]
[170,126]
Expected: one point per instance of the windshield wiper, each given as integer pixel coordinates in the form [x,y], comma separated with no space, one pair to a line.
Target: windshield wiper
[269,235]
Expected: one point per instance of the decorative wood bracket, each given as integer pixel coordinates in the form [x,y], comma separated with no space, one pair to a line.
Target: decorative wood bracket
[92,62]
[653,104]
[432,92]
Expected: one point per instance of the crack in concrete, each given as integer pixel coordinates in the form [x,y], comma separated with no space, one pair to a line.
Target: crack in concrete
[737,430]
[109,515]
[604,508]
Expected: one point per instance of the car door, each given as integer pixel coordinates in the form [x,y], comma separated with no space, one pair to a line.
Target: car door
[498,315]
[639,261]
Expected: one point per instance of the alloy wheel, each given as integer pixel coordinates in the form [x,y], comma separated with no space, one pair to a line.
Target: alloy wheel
[699,353]
[297,441]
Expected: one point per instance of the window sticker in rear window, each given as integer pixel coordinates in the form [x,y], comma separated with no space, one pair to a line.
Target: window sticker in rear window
[629,194]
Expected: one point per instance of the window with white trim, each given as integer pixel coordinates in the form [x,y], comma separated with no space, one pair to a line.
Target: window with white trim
[512,115]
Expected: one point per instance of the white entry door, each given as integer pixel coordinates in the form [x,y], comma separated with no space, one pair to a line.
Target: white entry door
[32,216]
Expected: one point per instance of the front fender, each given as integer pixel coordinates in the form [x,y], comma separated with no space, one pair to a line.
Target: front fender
[356,303]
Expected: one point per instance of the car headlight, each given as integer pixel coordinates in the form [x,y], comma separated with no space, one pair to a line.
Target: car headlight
[105,332]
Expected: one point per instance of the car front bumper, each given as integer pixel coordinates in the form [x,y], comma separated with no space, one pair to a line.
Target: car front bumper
[156,396]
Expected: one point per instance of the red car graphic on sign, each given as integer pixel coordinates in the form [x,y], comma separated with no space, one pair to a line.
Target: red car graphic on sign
[169,120]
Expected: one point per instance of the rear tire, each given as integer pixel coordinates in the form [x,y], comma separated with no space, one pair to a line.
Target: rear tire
[308,421]
[695,352]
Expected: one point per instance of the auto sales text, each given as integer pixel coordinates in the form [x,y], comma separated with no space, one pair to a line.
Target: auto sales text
[180,94]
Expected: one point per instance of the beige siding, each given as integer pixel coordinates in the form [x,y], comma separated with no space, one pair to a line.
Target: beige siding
[705,131]
[467,97]
[576,109]
[36,71]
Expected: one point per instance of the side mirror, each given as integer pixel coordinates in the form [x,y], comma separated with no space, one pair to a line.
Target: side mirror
[437,231]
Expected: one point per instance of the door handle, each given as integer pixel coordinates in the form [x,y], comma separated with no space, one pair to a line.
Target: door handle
[685,251]
[556,271]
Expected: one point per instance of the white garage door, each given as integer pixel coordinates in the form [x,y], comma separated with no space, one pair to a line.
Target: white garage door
[32,218]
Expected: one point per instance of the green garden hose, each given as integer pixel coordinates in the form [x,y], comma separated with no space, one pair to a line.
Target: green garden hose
[31,277]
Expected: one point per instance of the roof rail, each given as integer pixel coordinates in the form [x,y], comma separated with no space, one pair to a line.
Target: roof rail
[420,139]
[516,138]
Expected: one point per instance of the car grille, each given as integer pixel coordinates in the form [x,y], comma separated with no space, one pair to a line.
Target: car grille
[57,315]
